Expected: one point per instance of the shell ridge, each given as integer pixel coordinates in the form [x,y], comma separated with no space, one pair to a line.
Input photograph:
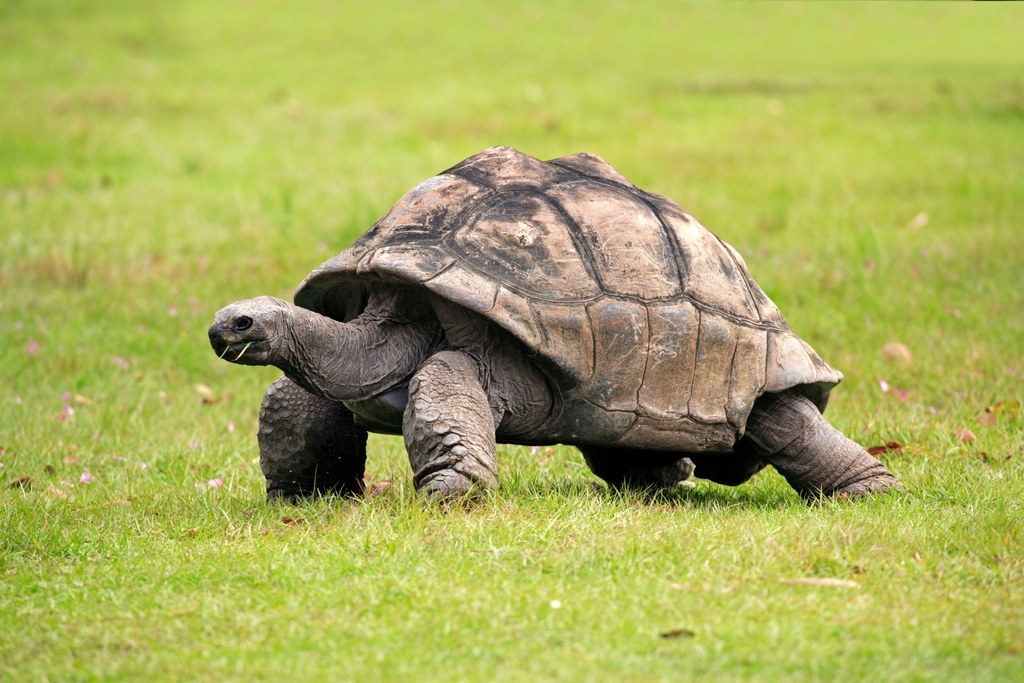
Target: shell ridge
[538,323]
[696,356]
[593,346]
[744,273]
[673,241]
[582,249]
[588,176]
[440,273]
[472,175]
[729,388]
[647,359]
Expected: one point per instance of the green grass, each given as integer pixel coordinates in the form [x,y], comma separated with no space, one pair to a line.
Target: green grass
[160,160]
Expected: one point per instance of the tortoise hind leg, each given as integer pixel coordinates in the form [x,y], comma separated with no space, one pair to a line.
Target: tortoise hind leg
[789,432]
[308,445]
[628,468]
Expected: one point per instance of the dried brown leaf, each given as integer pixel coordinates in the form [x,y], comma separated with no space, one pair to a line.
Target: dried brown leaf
[293,521]
[378,487]
[211,400]
[1005,410]
[678,633]
[56,492]
[918,221]
[896,352]
[965,435]
[22,483]
[890,447]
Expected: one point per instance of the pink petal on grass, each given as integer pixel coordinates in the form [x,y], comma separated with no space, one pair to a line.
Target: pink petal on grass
[902,394]
[883,385]
[231,426]
[214,483]
[86,478]
[32,347]
[534,449]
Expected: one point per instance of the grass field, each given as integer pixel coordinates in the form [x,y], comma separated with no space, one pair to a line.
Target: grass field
[159,160]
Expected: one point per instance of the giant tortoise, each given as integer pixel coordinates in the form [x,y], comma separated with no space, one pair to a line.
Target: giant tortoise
[514,300]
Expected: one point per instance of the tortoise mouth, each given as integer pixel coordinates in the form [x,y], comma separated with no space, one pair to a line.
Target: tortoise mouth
[252,350]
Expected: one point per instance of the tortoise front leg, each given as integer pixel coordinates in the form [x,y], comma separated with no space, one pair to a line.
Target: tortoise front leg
[449,428]
[789,432]
[309,445]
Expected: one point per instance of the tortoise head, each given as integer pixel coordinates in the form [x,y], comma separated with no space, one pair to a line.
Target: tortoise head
[250,332]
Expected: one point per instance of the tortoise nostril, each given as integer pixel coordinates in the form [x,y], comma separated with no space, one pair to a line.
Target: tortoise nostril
[242,324]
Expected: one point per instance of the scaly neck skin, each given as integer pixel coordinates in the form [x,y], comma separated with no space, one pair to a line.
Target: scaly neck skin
[358,360]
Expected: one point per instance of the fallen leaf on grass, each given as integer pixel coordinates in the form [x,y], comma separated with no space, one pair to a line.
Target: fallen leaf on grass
[897,352]
[71,459]
[838,583]
[54,491]
[678,633]
[965,435]
[84,400]
[889,447]
[378,487]
[22,483]
[208,397]
[918,221]
[1004,410]
[293,521]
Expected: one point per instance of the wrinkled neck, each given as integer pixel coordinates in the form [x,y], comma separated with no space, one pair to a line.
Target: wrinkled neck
[357,360]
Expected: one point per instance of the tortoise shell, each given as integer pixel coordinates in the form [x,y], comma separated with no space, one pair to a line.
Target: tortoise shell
[649,325]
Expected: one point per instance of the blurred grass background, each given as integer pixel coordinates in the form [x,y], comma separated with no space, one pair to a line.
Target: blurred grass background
[158,160]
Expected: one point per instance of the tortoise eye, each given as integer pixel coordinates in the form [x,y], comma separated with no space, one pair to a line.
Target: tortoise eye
[243,323]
